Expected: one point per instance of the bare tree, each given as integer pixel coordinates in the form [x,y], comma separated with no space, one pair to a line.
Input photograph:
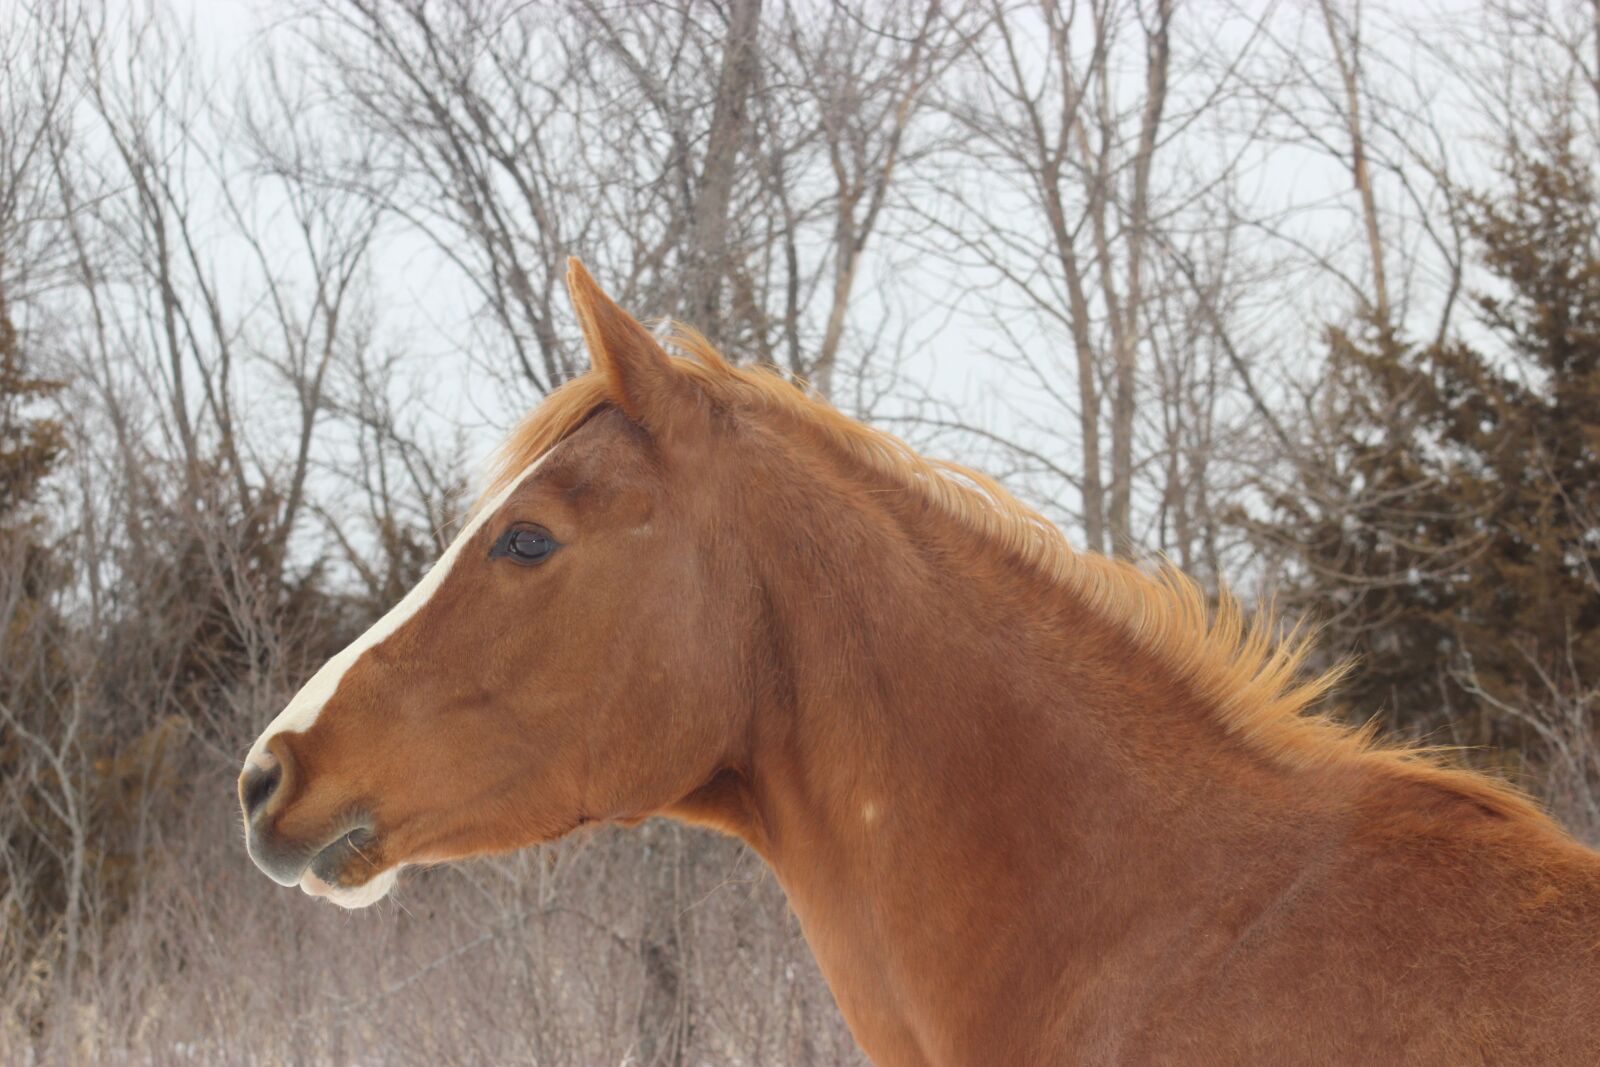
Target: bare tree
[867,86]
[1344,42]
[1047,110]
[707,255]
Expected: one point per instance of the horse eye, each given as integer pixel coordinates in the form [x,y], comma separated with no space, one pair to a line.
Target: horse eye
[525,544]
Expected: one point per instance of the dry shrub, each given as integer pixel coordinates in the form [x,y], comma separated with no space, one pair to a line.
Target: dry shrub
[533,958]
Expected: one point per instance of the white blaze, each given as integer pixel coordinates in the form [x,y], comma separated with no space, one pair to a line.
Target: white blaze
[307,704]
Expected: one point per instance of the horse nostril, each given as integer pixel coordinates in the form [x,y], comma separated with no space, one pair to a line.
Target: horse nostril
[256,786]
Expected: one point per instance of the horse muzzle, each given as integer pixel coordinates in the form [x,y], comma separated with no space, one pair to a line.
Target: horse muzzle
[264,786]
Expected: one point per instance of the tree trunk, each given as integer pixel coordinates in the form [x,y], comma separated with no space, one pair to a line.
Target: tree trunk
[1350,75]
[708,247]
[1157,51]
[663,1023]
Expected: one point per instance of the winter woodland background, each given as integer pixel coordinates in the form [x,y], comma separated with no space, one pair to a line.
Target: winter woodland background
[1304,295]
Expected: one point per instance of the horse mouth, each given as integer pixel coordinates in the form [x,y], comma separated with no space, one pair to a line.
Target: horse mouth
[325,877]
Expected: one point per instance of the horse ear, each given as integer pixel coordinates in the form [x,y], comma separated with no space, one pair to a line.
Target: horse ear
[640,373]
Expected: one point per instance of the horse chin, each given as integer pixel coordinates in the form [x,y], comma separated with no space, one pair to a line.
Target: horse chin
[351,897]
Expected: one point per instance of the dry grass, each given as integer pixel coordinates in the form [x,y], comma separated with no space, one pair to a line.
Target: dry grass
[535,958]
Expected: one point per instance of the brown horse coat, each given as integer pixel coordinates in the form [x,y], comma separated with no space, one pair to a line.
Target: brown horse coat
[1030,806]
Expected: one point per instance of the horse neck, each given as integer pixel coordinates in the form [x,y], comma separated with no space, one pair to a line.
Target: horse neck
[955,766]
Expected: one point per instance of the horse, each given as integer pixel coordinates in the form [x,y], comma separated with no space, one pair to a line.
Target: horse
[1030,805]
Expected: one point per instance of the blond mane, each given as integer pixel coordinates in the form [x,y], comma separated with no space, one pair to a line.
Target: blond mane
[1242,665]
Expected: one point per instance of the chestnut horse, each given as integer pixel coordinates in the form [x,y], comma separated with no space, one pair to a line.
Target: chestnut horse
[1031,806]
